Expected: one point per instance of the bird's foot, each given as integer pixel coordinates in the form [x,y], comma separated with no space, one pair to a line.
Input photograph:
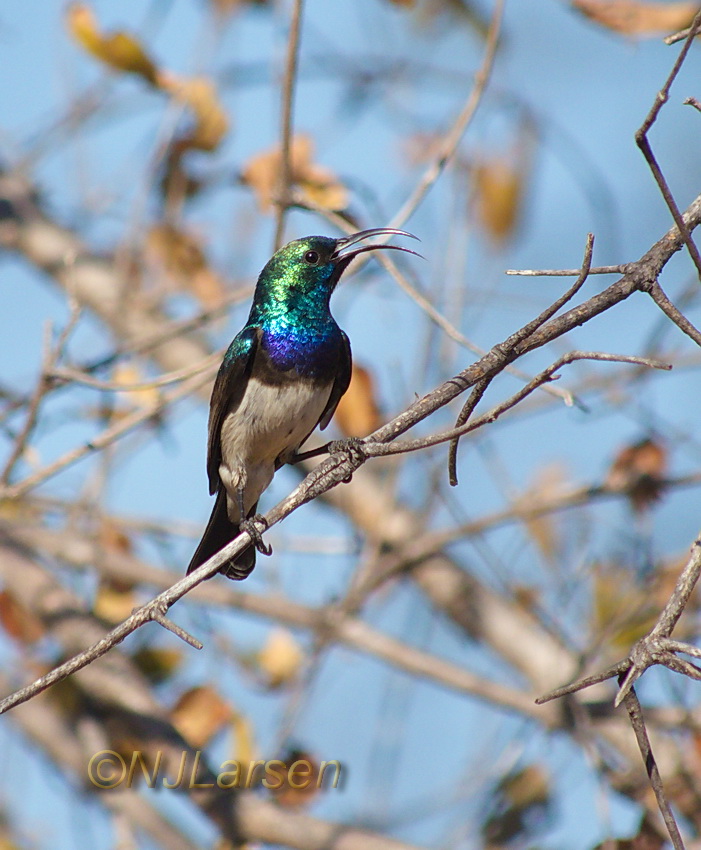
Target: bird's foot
[354,450]
[251,525]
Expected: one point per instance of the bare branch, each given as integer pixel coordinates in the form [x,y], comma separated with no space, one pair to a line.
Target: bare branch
[644,145]
[462,122]
[107,437]
[659,297]
[288,89]
[620,269]
[635,713]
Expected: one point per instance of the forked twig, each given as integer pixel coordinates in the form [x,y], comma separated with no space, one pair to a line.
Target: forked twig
[510,345]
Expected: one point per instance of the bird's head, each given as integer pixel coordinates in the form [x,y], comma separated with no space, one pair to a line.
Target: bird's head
[317,262]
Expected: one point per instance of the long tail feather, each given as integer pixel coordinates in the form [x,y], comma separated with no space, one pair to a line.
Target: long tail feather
[220,531]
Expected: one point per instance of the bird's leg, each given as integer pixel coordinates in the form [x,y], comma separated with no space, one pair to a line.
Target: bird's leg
[352,447]
[250,524]
[298,457]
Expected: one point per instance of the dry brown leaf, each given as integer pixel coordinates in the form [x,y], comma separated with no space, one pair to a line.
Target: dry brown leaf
[521,796]
[305,774]
[315,182]
[199,714]
[499,185]
[119,50]
[112,536]
[358,413]
[180,254]
[227,6]
[200,95]
[280,658]
[634,17]
[19,622]
[639,471]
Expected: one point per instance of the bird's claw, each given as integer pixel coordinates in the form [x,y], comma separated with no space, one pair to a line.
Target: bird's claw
[250,525]
[354,449]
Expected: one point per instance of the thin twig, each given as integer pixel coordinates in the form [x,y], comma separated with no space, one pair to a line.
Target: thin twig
[656,647]
[510,344]
[460,125]
[51,356]
[288,89]
[643,143]
[635,713]
[340,467]
[473,400]
[677,36]
[76,377]
[106,438]
[173,329]
[41,389]
[620,269]
[400,447]
[660,298]
[429,309]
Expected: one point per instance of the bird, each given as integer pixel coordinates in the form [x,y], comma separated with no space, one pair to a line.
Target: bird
[283,374]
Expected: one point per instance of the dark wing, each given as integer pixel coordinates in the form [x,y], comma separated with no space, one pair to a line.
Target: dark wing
[228,391]
[340,385]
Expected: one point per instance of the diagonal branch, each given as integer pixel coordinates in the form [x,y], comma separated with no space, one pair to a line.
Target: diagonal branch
[641,139]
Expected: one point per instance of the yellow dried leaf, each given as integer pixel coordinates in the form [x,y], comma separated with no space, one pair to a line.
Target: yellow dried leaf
[499,192]
[358,413]
[634,17]
[317,184]
[280,658]
[623,611]
[549,483]
[119,50]
[157,663]
[244,749]
[200,95]
[127,375]
[199,714]
[113,604]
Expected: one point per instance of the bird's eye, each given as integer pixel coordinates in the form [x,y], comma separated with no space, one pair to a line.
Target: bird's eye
[311,257]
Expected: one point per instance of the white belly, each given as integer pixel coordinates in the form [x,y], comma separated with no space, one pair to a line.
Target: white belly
[269,423]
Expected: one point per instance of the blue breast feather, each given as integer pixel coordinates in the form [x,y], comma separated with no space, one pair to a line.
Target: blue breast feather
[311,352]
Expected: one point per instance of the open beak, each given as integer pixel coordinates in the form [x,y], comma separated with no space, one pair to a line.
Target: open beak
[342,255]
